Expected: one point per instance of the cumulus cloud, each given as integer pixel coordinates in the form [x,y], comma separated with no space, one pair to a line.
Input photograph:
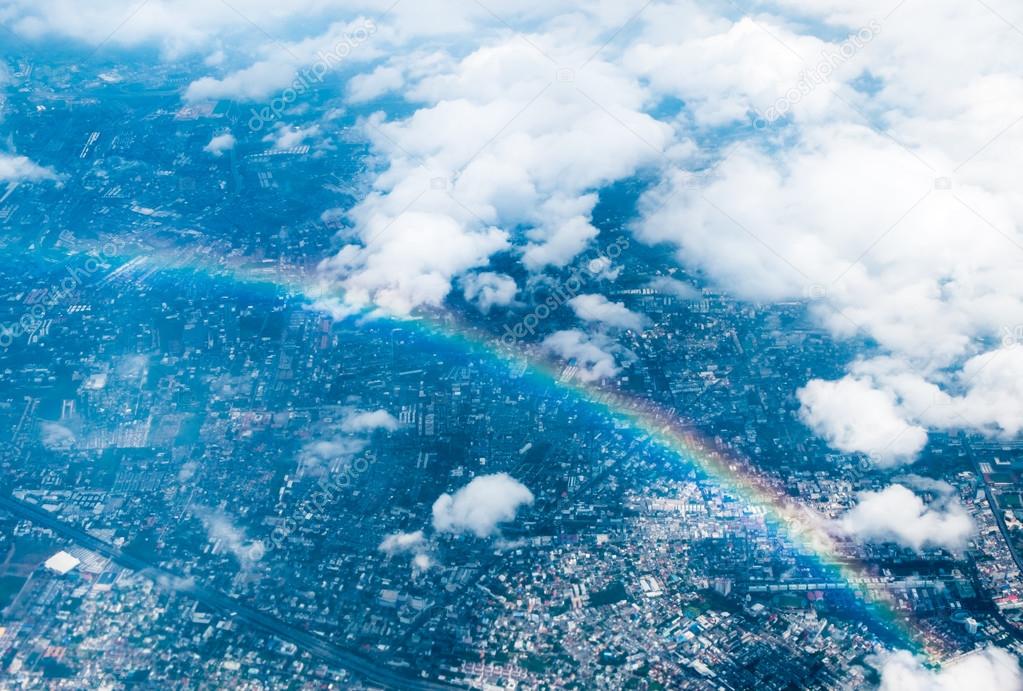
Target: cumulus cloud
[220,143]
[597,308]
[176,26]
[289,136]
[734,68]
[195,25]
[855,417]
[19,168]
[591,354]
[988,669]
[487,289]
[423,562]
[674,287]
[97,381]
[340,442]
[132,366]
[328,454]
[516,173]
[360,32]
[177,584]
[399,268]
[253,83]
[782,229]
[357,33]
[368,421]
[823,204]
[366,87]
[414,543]
[883,406]
[224,535]
[187,471]
[925,484]
[896,514]
[56,436]
[895,205]
[397,543]
[987,395]
[481,505]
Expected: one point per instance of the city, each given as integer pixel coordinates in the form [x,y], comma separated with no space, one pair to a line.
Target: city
[238,457]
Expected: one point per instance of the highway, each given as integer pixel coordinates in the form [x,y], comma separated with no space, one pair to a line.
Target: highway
[225,604]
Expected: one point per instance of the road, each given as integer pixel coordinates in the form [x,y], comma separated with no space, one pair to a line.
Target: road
[225,604]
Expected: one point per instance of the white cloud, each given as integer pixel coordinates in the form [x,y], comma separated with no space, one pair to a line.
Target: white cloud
[328,454]
[366,87]
[328,449]
[423,562]
[597,308]
[562,231]
[56,436]
[988,669]
[501,153]
[253,83]
[187,25]
[896,514]
[883,407]
[925,484]
[480,506]
[399,268]
[353,37]
[517,169]
[220,143]
[288,136]
[487,289]
[187,471]
[132,366]
[855,417]
[172,582]
[225,536]
[333,451]
[672,286]
[895,207]
[733,69]
[398,543]
[990,398]
[592,354]
[176,26]
[289,70]
[368,420]
[215,59]
[19,168]
[414,543]
[97,381]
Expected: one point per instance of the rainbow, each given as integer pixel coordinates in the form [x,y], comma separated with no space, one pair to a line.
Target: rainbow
[806,530]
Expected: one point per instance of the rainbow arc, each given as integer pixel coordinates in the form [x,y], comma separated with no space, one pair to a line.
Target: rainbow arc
[807,531]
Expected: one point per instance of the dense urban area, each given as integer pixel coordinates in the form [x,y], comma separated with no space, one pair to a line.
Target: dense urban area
[210,481]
